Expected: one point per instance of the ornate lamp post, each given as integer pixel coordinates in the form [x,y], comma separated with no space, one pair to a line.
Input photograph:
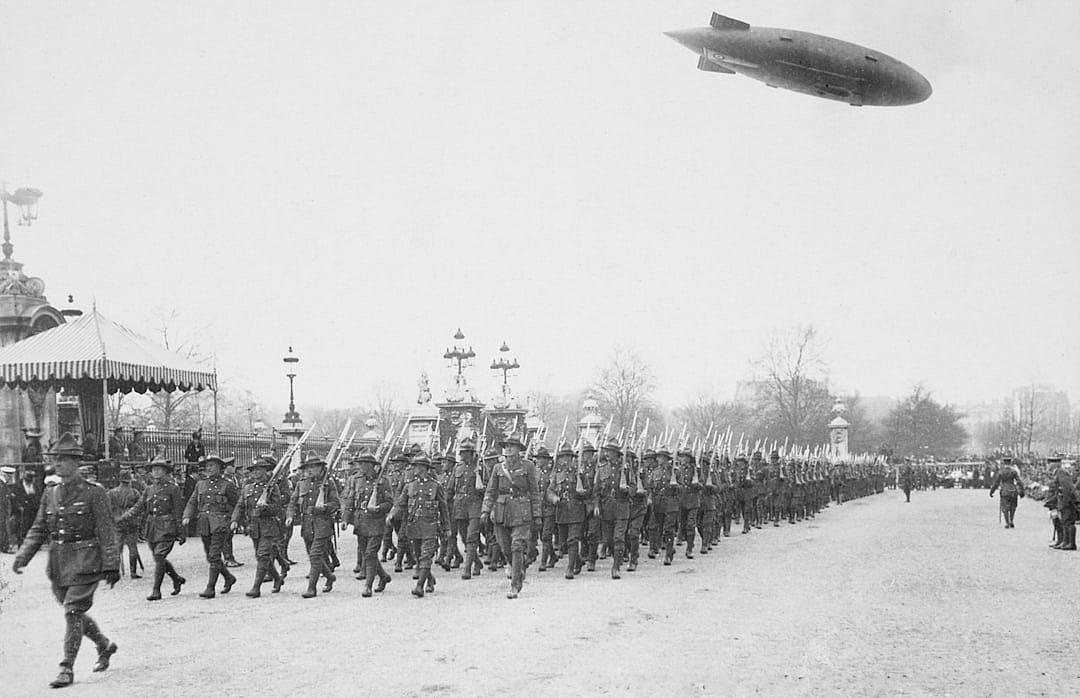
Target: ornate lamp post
[292,417]
[502,364]
[26,199]
[459,356]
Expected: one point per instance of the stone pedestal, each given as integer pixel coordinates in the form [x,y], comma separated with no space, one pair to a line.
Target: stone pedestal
[460,420]
[591,424]
[838,432]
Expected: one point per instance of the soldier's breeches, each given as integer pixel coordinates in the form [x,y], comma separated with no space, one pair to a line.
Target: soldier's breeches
[614,534]
[513,538]
[214,545]
[264,549]
[369,551]
[571,533]
[75,599]
[634,525]
[426,547]
[318,549]
[1008,503]
[688,520]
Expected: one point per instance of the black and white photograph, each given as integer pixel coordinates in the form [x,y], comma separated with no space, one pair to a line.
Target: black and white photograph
[539,349]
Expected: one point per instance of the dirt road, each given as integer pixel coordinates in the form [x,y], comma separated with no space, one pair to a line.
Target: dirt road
[874,597]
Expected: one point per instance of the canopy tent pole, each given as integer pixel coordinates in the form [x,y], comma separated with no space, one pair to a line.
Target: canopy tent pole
[217,438]
[105,414]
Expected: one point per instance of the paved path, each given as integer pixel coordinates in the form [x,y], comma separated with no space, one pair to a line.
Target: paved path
[875,597]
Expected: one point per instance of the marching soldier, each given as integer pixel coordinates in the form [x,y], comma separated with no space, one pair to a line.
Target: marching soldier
[690,501]
[591,531]
[1008,481]
[707,517]
[163,504]
[366,506]
[75,515]
[259,510]
[745,493]
[212,503]
[399,551]
[666,492]
[907,477]
[567,492]
[121,498]
[611,503]
[449,556]
[512,502]
[465,499]
[422,504]
[639,508]
[653,481]
[546,534]
[315,499]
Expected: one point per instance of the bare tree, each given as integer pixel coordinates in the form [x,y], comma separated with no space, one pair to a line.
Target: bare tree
[624,387]
[795,391]
[176,409]
[386,410]
[704,410]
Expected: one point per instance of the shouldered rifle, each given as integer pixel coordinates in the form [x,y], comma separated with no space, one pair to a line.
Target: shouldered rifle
[283,464]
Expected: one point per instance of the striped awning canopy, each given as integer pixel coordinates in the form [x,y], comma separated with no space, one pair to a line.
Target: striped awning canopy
[92,347]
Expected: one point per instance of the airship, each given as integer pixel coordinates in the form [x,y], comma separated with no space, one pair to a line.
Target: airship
[803,62]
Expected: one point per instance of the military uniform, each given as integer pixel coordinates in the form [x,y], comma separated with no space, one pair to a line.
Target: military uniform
[121,498]
[690,500]
[422,504]
[611,501]
[591,529]
[315,502]
[546,534]
[570,503]
[512,500]
[666,495]
[1008,481]
[368,502]
[212,503]
[400,550]
[906,479]
[163,506]
[707,512]
[465,501]
[76,518]
[639,508]
[259,510]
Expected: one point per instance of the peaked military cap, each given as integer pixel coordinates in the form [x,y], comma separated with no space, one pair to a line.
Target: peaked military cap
[68,445]
[421,459]
[266,462]
[565,449]
[613,445]
[587,446]
[649,454]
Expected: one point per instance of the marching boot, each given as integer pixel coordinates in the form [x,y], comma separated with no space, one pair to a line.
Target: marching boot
[73,632]
[211,583]
[517,575]
[478,564]
[590,557]
[470,555]
[418,590]
[134,568]
[572,565]
[399,558]
[230,579]
[330,579]
[669,552]
[384,579]
[177,580]
[159,577]
[278,579]
[635,546]
[256,586]
[690,547]
[616,562]
[369,578]
[547,555]
[1070,538]
[430,585]
[105,648]
[315,571]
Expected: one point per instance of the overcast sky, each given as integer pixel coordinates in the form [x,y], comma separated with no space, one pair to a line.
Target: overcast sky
[360,179]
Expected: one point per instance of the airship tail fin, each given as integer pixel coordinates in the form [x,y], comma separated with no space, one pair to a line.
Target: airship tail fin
[719,21]
[708,66]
